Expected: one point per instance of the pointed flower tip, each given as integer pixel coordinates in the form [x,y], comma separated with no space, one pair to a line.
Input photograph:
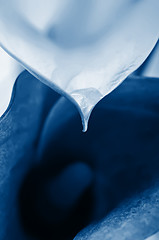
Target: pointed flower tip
[85,100]
[85,126]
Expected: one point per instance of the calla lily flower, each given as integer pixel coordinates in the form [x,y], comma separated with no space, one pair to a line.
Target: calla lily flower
[120,158]
[55,182]
[83,50]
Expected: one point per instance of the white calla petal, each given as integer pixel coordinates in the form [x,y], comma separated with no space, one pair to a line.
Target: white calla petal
[152,68]
[89,55]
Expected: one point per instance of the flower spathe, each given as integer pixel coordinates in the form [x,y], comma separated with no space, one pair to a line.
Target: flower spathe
[83,59]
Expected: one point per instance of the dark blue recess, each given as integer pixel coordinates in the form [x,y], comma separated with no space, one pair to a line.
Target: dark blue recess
[56,180]
[19,130]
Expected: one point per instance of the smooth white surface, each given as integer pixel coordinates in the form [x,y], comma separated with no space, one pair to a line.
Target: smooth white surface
[152,70]
[94,45]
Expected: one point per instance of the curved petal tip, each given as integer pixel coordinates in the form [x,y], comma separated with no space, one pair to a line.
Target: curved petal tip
[86,99]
